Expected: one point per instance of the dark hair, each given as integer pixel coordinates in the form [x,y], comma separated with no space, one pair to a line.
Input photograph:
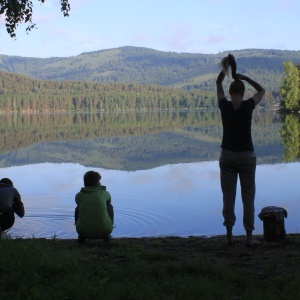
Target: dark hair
[237,87]
[6,181]
[91,178]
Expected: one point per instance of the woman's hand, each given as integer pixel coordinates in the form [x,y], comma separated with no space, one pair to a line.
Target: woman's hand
[241,76]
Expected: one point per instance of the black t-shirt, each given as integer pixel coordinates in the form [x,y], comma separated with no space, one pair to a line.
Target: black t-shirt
[237,125]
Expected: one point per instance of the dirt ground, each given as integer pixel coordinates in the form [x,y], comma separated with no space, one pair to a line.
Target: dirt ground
[282,257]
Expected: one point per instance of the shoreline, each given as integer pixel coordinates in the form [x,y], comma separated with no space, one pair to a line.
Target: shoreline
[216,238]
[150,268]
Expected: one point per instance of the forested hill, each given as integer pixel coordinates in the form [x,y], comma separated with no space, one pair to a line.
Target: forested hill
[148,66]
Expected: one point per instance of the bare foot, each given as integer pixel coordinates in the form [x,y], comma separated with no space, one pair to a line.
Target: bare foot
[230,241]
[229,237]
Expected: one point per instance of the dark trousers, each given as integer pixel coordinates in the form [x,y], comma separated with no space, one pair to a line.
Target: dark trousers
[234,165]
[7,220]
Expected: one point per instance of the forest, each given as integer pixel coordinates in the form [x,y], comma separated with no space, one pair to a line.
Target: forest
[131,78]
[23,94]
[147,66]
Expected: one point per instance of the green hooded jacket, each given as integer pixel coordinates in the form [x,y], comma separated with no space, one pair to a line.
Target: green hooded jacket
[93,221]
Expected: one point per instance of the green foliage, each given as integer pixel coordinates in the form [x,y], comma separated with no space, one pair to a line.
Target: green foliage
[290,87]
[17,12]
[22,94]
[139,65]
[290,137]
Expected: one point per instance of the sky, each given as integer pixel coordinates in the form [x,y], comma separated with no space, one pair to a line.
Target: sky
[190,26]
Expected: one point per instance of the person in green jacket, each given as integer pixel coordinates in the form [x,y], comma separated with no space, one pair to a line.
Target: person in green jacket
[94,213]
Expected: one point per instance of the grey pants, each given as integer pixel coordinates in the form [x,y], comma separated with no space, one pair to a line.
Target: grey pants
[234,164]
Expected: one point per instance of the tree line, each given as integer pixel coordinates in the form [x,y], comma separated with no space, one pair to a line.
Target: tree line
[21,94]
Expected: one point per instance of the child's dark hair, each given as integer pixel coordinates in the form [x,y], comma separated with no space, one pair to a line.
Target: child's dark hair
[237,87]
[91,178]
[6,181]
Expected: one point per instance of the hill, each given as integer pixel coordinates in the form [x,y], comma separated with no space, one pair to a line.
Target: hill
[148,66]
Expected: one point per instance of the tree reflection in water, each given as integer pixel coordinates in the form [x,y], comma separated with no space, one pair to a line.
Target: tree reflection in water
[161,168]
[290,137]
[128,140]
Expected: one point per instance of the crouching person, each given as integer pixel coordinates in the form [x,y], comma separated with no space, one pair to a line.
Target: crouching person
[10,203]
[94,214]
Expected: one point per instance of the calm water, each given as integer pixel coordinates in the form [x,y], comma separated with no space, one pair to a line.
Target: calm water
[163,178]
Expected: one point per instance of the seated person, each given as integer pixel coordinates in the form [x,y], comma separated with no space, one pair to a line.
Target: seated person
[10,203]
[94,214]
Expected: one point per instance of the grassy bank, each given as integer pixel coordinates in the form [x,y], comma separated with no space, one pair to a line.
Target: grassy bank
[149,268]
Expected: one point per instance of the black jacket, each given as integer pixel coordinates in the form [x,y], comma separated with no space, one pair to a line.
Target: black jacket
[10,200]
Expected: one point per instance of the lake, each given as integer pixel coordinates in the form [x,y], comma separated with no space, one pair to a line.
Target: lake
[160,168]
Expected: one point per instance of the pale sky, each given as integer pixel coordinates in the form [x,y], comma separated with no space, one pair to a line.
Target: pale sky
[192,26]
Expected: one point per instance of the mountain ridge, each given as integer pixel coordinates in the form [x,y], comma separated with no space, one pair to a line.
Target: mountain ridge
[129,64]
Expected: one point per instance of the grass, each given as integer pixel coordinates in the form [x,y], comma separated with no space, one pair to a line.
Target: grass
[149,268]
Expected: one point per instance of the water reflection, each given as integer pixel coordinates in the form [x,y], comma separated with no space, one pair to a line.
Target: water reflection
[290,136]
[161,169]
[181,200]
[128,141]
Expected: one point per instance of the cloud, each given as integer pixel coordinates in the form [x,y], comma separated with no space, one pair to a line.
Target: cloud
[141,177]
[216,39]
[177,37]
[180,40]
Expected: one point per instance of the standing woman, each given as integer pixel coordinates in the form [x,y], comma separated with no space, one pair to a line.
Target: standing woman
[237,157]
